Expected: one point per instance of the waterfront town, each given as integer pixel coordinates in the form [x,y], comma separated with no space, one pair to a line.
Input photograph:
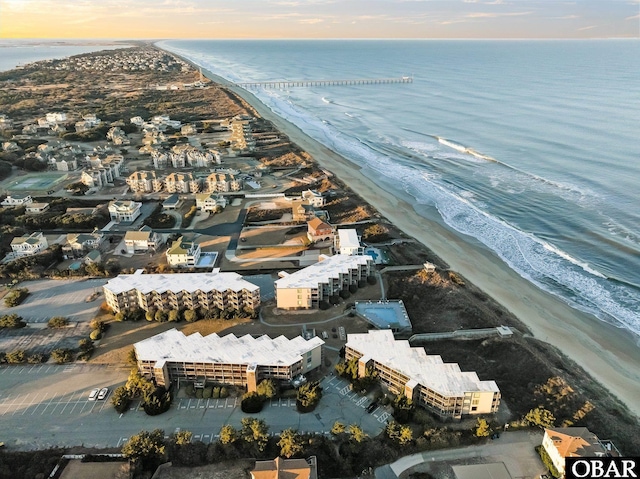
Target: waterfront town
[168,252]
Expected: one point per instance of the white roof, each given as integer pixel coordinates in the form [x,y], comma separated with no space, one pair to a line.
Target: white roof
[173,345]
[145,283]
[429,371]
[348,238]
[321,272]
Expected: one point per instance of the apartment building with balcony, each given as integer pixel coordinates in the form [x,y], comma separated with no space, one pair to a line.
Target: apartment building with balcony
[224,291]
[425,379]
[306,288]
[223,183]
[144,182]
[182,183]
[240,361]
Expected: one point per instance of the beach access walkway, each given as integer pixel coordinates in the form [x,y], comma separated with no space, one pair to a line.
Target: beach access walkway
[514,449]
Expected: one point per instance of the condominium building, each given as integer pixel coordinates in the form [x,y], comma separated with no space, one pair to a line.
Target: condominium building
[124,210]
[212,290]
[240,361]
[144,182]
[347,242]
[223,183]
[306,288]
[425,379]
[182,183]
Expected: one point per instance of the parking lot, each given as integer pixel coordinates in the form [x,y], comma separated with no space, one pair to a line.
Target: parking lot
[51,297]
[39,340]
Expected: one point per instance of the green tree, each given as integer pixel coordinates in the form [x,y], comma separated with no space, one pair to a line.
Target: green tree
[228,434]
[150,315]
[95,334]
[482,428]
[356,434]
[539,417]
[138,385]
[174,315]
[119,316]
[308,396]
[11,321]
[161,316]
[291,443]
[145,447]
[267,388]
[121,398]
[255,432]
[58,322]
[17,356]
[400,433]
[132,360]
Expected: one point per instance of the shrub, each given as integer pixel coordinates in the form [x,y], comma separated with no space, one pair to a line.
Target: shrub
[371,280]
[344,294]
[199,393]
[308,396]
[334,299]
[353,288]
[362,283]
[190,316]
[267,388]
[546,460]
[174,315]
[120,317]
[62,355]
[58,322]
[323,305]
[3,357]
[207,392]
[158,402]
[16,357]
[251,403]
[15,297]
[224,393]
[98,324]
[215,393]
[95,335]
[189,390]
[11,321]
[37,358]
[161,316]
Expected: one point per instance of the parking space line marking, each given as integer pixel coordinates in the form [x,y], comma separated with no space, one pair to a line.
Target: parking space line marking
[49,404]
[44,398]
[21,403]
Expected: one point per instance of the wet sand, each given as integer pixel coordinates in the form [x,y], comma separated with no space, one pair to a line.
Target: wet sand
[610,355]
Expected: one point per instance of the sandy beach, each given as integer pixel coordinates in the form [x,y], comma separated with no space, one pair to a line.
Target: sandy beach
[610,355]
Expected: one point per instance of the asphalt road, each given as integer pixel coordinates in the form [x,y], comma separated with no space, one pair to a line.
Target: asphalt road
[48,405]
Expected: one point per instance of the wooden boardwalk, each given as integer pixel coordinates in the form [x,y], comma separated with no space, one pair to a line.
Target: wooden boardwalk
[312,83]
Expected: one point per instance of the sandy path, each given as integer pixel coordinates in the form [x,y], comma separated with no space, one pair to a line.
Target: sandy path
[609,354]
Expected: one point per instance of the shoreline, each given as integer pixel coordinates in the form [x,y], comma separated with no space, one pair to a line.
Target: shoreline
[609,354]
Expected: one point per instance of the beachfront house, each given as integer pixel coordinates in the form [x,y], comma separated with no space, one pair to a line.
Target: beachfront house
[314,198]
[562,442]
[78,244]
[17,199]
[210,202]
[318,230]
[36,208]
[347,242]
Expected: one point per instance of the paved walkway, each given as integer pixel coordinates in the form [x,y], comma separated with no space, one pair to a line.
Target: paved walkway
[514,449]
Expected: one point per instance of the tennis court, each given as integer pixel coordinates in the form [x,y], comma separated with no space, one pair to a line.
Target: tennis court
[38,181]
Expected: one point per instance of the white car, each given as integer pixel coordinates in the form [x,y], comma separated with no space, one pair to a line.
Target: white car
[93,394]
[103,393]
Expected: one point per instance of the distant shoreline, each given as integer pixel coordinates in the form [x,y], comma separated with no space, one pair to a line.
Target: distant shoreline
[610,355]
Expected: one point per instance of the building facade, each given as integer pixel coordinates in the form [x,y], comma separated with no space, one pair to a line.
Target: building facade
[28,245]
[141,241]
[240,361]
[306,288]
[124,210]
[347,242]
[183,253]
[426,380]
[224,291]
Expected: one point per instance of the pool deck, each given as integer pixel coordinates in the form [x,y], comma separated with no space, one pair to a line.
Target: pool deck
[387,314]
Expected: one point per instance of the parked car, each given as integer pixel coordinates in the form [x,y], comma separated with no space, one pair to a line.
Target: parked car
[93,394]
[103,393]
[372,407]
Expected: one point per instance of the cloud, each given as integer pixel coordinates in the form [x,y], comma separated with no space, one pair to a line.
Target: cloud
[586,28]
[311,21]
[634,17]
[496,15]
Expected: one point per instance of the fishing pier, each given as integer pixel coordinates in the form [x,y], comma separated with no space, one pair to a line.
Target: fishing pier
[312,83]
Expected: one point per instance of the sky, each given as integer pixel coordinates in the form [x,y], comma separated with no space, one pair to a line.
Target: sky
[156,19]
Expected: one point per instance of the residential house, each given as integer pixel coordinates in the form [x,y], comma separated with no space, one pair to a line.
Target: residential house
[306,288]
[188,130]
[182,183]
[210,202]
[172,202]
[286,468]
[160,159]
[425,379]
[347,242]
[142,241]
[6,123]
[318,230]
[56,117]
[563,442]
[17,199]
[183,253]
[65,163]
[314,198]
[78,244]
[124,210]
[118,136]
[93,257]
[36,208]
[28,245]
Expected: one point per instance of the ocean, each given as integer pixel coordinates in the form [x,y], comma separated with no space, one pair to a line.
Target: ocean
[530,147]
